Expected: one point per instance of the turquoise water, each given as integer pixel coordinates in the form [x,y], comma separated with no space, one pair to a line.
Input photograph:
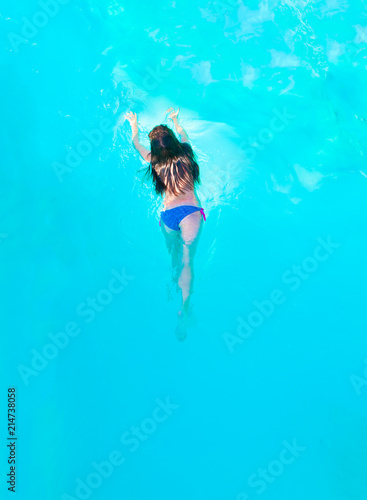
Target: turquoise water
[267,395]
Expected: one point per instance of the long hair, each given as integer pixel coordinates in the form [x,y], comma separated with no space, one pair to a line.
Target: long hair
[173,167]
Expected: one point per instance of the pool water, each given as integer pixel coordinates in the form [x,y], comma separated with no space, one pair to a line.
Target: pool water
[267,395]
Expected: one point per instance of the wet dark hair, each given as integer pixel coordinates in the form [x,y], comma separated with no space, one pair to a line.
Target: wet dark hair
[173,167]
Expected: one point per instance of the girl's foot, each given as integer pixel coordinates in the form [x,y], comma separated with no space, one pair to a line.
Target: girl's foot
[181,328]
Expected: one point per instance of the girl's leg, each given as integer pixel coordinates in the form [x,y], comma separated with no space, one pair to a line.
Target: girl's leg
[190,232]
[174,247]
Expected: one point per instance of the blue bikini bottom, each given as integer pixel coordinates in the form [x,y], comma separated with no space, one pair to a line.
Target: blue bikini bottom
[174,216]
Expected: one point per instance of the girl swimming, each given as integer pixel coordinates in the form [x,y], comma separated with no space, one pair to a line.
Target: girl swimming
[175,173]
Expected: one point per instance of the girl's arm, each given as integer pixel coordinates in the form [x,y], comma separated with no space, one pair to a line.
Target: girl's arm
[143,151]
[181,132]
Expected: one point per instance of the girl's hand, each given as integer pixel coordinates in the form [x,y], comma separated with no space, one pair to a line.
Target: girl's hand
[132,118]
[174,117]
[172,113]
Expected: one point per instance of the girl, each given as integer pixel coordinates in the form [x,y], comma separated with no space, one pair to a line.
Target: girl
[174,171]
